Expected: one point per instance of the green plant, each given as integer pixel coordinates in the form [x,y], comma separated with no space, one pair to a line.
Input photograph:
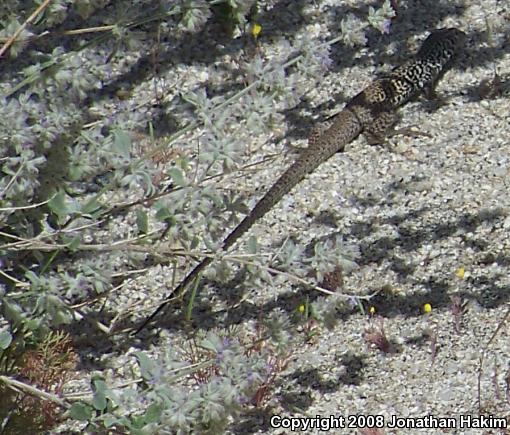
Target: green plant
[215,376]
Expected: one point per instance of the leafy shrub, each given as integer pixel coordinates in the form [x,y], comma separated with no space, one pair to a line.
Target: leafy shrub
[81,158]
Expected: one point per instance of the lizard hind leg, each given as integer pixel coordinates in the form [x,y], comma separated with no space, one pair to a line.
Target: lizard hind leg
[383,128]
[380,127]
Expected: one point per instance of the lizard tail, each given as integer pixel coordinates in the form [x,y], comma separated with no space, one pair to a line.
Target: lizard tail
[345,129]
[177,291]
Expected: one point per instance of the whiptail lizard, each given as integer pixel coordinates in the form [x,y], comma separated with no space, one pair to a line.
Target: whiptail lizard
[372,111]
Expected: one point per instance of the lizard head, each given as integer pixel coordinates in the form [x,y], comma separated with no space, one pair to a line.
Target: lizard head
[442,45]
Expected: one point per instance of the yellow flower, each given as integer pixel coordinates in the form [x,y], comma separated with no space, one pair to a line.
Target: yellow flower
[371,310]
[256,29]
[301,308]
[427,308]
[460,273]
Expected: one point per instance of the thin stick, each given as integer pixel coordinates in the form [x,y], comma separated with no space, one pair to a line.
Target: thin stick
[17,385]
[29,20]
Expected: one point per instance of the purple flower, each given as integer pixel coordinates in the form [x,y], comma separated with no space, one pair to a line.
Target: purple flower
[386,27]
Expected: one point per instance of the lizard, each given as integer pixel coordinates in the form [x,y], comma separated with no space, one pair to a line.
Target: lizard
[372,112]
